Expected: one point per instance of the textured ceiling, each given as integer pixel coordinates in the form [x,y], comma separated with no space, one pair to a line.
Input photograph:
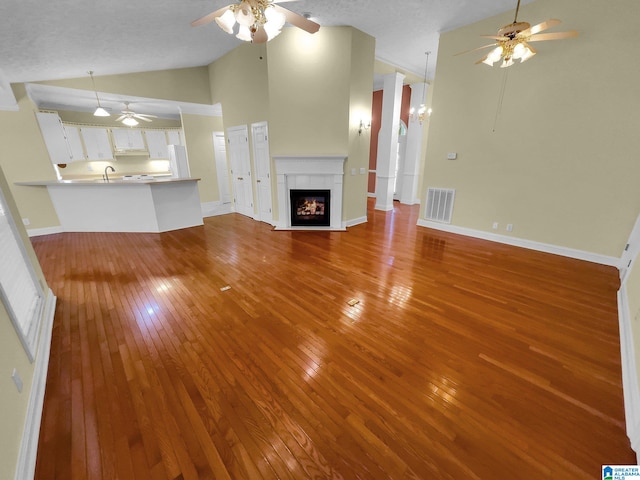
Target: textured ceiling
[48,40]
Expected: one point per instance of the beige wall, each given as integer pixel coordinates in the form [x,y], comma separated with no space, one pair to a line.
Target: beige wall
[182,84]
[199,143]
[560,163]
[25,158]
[12,355]
[360,103]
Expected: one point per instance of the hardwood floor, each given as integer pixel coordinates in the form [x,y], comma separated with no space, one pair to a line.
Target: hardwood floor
[463,359]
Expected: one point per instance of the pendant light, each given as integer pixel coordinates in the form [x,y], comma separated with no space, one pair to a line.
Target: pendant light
[100,112]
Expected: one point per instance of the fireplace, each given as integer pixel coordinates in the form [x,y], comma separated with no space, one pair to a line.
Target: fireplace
[310,208]
[317,177]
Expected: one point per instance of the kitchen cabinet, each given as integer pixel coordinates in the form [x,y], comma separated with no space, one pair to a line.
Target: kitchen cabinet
[74,142]
[96,142]
[157,143]
[126,139]
[175,137]
[54,137]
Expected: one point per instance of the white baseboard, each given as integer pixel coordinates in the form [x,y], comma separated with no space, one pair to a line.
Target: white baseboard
[520,242]
[212,209]
[36,232]
[29,446]
[354,221]
[630,387]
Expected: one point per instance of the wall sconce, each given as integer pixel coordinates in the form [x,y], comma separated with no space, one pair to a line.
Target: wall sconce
[363,126]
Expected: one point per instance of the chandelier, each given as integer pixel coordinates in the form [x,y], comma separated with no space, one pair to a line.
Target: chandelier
[251,16]
[422,112]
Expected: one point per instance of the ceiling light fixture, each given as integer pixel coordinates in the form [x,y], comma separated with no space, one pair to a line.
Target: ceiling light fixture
[100,112]
[252,16]
[130,121]
[422,111]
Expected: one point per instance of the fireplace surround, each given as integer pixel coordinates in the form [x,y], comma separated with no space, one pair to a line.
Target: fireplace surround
[310,173]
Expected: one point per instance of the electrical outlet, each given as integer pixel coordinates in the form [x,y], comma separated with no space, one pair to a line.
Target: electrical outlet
[495,225]
[510,227]
[353,171]
[26,222]
[17,380]
[363,170]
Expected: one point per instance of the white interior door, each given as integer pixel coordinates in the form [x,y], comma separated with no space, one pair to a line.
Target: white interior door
[222,170]
[262,162]
[239,158]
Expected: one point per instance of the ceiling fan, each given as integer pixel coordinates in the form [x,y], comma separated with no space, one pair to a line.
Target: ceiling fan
[129,117]
[512,41]
[259,20]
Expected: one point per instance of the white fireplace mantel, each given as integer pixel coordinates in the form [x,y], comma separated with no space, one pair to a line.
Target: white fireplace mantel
[312,173]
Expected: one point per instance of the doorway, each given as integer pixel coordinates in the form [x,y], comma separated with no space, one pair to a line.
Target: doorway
[262,164]
[222,170]
[239,159]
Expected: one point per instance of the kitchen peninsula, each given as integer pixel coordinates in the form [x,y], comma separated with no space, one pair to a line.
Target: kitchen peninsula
[151,205]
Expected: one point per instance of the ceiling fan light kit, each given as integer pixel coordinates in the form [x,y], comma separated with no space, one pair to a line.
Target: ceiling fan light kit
[130,118]
[513,41]
[258,20]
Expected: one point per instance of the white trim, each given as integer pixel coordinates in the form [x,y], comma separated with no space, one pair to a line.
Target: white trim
[371,194]
[520,242]
[29,445]
[354,221]
[36,232]
[212,209]
[630,387]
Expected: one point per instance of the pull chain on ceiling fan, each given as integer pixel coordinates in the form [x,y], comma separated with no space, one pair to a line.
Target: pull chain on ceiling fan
[512,41]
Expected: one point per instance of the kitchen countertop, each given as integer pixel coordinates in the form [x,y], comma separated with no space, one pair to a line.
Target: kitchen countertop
[99,181]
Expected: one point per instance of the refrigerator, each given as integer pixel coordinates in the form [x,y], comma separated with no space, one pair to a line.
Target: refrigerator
[178,163]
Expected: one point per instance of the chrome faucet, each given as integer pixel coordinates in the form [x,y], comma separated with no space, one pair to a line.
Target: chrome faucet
[105,177]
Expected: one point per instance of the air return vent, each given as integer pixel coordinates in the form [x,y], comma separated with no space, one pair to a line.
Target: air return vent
[439,204]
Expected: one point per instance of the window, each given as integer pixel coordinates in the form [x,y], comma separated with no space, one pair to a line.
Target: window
[20,290]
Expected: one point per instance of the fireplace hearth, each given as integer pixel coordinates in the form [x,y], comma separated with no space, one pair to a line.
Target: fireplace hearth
[310,208]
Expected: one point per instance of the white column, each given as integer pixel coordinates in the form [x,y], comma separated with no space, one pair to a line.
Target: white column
[410,174]
[388,140]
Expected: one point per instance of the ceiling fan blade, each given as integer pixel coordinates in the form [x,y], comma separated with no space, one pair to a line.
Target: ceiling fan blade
[121,117]
[260,36]
[475,49]
[144,119]
[553,36]
[552,22]
[210,17]
[494,37]
[297,20]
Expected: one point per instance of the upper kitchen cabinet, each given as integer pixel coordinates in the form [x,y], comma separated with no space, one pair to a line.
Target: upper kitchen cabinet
[175,137]
[157,144]
[75,142]
[128,140]
[54,137]
[96,142]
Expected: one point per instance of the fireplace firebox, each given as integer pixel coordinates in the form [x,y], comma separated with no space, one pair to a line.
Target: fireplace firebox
[310,208]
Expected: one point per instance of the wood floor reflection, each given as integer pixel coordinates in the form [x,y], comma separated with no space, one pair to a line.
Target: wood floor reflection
[463,359]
